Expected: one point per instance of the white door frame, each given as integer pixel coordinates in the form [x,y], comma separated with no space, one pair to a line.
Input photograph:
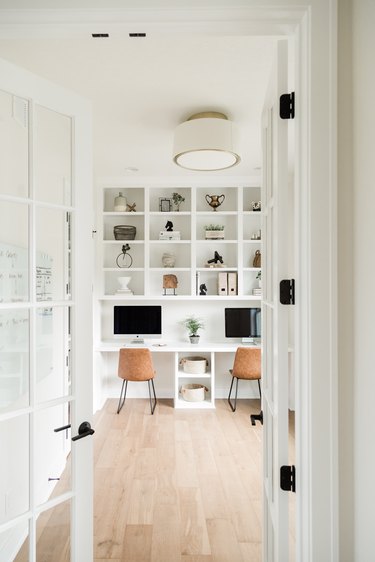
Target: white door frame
[39,91]
[314,24]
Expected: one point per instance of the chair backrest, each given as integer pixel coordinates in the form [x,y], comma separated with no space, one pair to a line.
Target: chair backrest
[135,364]
[247,363]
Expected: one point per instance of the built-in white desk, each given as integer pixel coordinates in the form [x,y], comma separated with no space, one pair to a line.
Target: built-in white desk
[180,350]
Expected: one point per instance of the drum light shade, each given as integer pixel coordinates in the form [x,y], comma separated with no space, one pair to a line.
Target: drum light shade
[205,142]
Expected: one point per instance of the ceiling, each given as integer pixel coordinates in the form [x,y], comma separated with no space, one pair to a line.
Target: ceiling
[142,88]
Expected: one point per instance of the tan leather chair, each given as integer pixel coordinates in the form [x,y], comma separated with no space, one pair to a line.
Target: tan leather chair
[136,365]
[247,365]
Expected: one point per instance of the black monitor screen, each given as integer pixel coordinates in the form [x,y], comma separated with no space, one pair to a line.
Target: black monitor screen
[137,320]
[242,322]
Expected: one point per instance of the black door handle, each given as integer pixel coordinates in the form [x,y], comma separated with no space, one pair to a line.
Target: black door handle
[62,428]
[84,430]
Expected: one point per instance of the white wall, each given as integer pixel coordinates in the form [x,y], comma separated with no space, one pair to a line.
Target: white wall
[364,273]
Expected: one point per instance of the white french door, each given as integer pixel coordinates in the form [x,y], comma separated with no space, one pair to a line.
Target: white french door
[45,321]
[274,314]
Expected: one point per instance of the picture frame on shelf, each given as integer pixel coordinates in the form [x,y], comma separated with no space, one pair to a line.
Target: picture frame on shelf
[165,204]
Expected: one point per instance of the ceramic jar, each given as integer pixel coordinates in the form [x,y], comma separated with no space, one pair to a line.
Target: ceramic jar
[120,203]
[168,259]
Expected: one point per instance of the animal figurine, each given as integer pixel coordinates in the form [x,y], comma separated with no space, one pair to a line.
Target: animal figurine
[202,289]
[169,226]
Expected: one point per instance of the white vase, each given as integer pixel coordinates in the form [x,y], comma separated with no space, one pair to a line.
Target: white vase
[120,203]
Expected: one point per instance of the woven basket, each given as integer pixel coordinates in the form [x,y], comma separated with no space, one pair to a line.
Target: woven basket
[124,232]
[193,392]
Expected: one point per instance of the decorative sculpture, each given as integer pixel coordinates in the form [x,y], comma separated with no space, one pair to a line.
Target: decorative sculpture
[217,258]
[169,226]
[131,208]
[124,259]
[215,201]
[202,289]
[169,282]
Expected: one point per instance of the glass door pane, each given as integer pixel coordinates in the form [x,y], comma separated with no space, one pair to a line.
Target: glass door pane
[14,359]
[52,353]
[14,145]
[51,254]
[14,252]
[14,543]
[14,473]
[53,478]
[52,156]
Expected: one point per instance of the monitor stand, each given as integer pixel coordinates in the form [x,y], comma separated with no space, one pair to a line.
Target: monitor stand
[248,340]
[138,340]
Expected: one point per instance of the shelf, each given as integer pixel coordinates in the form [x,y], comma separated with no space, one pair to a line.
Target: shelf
[107,241]
[205,404]
[169,213]
[216,241]
[215,269]
[123,213]
[170,241]
[180,297]
[216,213]
[183,375]
[123,269]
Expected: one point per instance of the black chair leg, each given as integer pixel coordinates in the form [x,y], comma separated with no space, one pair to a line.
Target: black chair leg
[120,404]
[152,406]
[233,408]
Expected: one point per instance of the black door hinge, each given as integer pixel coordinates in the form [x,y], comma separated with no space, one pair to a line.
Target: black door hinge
[287,106]
[256,417]
[288,478]
[287,290]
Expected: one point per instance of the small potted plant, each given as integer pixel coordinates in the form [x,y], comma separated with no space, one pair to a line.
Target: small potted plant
[193,324]
[177,200]
[214,231]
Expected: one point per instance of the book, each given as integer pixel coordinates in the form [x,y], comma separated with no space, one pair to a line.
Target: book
[222,283]
[232,283]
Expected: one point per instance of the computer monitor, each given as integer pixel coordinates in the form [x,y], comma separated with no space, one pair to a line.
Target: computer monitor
[244,323]
[137,321]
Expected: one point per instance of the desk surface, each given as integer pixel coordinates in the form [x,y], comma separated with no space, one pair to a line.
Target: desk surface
[175,346]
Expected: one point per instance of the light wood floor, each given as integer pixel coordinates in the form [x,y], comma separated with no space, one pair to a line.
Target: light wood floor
[178,486]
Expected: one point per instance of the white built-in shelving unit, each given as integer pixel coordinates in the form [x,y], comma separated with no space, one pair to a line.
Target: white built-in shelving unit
[192,251]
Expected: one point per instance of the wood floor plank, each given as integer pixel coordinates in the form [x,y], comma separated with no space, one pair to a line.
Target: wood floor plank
[137,543]
[213,498]
[185,464]
[193,530]
[166,546]
[251,552]
[223,540]
[142,500]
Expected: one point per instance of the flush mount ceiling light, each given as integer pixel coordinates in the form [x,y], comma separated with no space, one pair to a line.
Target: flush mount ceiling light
[205,142]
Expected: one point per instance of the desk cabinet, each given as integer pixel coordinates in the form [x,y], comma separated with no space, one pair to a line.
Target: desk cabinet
[174,370]
[207,379]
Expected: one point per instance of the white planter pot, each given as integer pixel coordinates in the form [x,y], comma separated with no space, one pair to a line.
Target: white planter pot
[215,234]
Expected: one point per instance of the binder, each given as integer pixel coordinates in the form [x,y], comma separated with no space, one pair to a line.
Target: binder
[222,283]
[232,283]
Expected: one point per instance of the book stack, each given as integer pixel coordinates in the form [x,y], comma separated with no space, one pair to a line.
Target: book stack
[124,292]
[257,292]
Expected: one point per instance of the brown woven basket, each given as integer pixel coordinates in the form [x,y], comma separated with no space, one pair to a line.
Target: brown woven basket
[124,232]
